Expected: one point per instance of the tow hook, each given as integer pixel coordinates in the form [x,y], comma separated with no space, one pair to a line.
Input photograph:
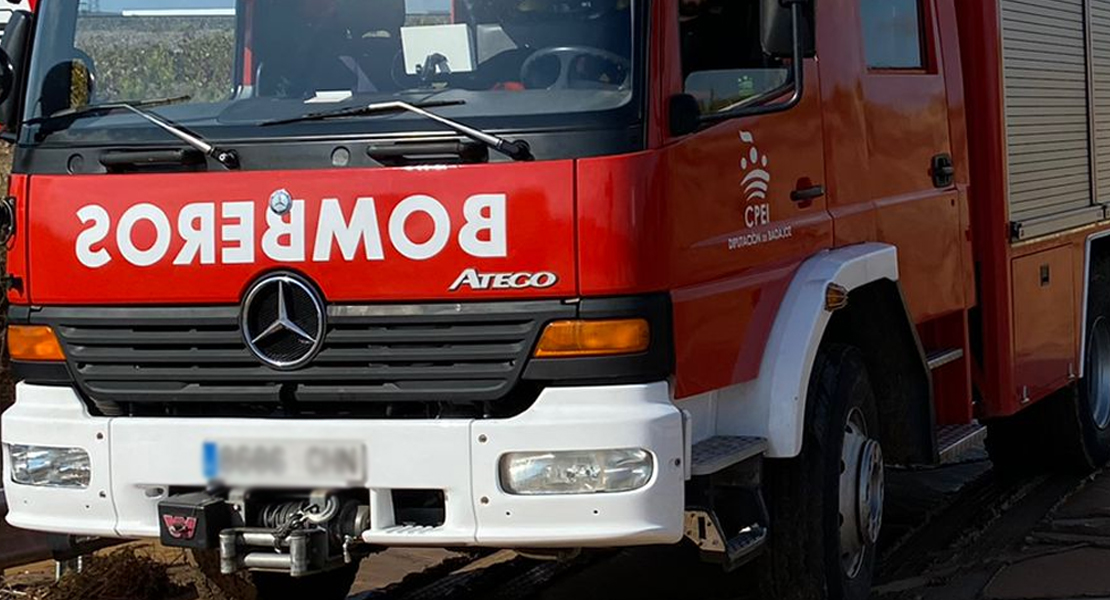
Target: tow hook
[321,508]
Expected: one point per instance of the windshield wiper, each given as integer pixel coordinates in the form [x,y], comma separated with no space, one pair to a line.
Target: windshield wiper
[108,107]
[514,149]
[228,158]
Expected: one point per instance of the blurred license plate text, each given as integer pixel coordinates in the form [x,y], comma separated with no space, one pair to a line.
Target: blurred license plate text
[286,463]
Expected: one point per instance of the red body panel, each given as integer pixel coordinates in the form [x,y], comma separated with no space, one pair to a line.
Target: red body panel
[1032,330]
[883,129]
[728,272]
[537,219]
[1045,332]
[681,219]
[980,40]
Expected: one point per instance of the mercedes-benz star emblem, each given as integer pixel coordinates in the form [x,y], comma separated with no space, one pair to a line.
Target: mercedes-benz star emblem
[281,202]
[283,321]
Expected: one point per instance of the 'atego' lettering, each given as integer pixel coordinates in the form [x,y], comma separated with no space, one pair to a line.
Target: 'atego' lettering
[477,281]
[227,233]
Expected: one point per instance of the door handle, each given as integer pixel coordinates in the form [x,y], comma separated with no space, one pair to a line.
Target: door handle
[807,194]
[944,171]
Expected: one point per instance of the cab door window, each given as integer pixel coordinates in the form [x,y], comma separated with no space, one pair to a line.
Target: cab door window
[723,64]
[893,34]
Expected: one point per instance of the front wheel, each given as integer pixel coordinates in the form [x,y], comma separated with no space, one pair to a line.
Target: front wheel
[827,504]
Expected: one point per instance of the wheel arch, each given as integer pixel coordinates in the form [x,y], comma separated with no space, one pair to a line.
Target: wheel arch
[1096,284]
[774,404]
[877,322]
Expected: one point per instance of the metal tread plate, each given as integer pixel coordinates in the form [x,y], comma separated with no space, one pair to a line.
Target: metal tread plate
[720,452]
[939,358]
[953,441]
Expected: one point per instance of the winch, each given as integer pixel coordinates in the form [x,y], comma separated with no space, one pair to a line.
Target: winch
[268,532]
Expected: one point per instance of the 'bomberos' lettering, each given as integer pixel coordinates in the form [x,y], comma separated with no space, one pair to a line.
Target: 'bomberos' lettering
[209,233]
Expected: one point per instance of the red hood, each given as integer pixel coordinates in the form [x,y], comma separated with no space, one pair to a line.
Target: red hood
[473,232]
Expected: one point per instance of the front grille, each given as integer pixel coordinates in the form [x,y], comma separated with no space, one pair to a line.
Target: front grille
[376,361]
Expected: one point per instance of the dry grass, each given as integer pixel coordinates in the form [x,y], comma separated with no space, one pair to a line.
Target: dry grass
[124,574]
[133,572]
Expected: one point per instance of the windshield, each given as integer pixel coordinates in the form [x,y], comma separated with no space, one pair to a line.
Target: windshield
[498,64]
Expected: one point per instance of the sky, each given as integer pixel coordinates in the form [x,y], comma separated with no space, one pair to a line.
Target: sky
[414,6]
[117,5]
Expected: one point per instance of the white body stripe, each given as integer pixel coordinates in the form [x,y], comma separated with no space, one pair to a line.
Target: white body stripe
[772,406]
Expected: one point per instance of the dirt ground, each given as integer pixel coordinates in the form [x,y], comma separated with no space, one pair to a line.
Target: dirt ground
[150,571]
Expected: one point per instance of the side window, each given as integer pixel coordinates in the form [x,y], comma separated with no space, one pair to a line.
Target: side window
[723,65]
[892,34]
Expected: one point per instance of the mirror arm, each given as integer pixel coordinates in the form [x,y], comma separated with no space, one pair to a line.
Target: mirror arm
[797,76]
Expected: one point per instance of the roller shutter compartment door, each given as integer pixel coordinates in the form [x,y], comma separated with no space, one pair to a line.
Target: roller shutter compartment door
[1100,71]
[1048,140]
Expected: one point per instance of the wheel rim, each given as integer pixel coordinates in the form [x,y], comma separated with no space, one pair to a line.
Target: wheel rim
[1098,373]
[861,493]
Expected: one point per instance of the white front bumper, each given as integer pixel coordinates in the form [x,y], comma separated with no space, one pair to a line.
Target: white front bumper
[135,458]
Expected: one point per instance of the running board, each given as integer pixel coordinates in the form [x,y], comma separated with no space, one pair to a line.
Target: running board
[704,529]
[954,441]
[939,358]
[736,464]
[718,453]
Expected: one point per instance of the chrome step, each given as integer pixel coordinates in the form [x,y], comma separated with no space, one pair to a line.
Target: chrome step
[704,529]
[953,441]
[721,452]
[939,358]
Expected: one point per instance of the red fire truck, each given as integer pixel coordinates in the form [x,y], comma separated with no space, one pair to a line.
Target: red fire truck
[294,281]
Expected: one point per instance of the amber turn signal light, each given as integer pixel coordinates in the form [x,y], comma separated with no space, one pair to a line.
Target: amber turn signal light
[34,343]
[569,339]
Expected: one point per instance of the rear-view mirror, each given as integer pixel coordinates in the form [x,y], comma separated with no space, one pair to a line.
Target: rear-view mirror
[69,85]
[15,49]
[7,76]
[777,28]
[685,114]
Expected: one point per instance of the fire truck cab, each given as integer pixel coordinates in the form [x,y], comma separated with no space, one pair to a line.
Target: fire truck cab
[293,281]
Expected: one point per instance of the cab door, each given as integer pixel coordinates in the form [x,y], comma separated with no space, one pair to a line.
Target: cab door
[888,143]
[745,196]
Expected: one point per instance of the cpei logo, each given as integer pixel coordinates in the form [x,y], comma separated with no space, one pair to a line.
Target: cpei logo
[759,228]
[757,179]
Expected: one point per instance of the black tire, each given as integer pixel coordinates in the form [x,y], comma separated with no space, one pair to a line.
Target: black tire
[213,585]
[1069,430]
[804,559]
[1090,414]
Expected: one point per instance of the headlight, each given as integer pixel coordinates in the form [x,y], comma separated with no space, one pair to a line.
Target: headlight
[576,472]
[50,467]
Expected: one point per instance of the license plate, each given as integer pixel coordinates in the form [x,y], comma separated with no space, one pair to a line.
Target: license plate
[285,463]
